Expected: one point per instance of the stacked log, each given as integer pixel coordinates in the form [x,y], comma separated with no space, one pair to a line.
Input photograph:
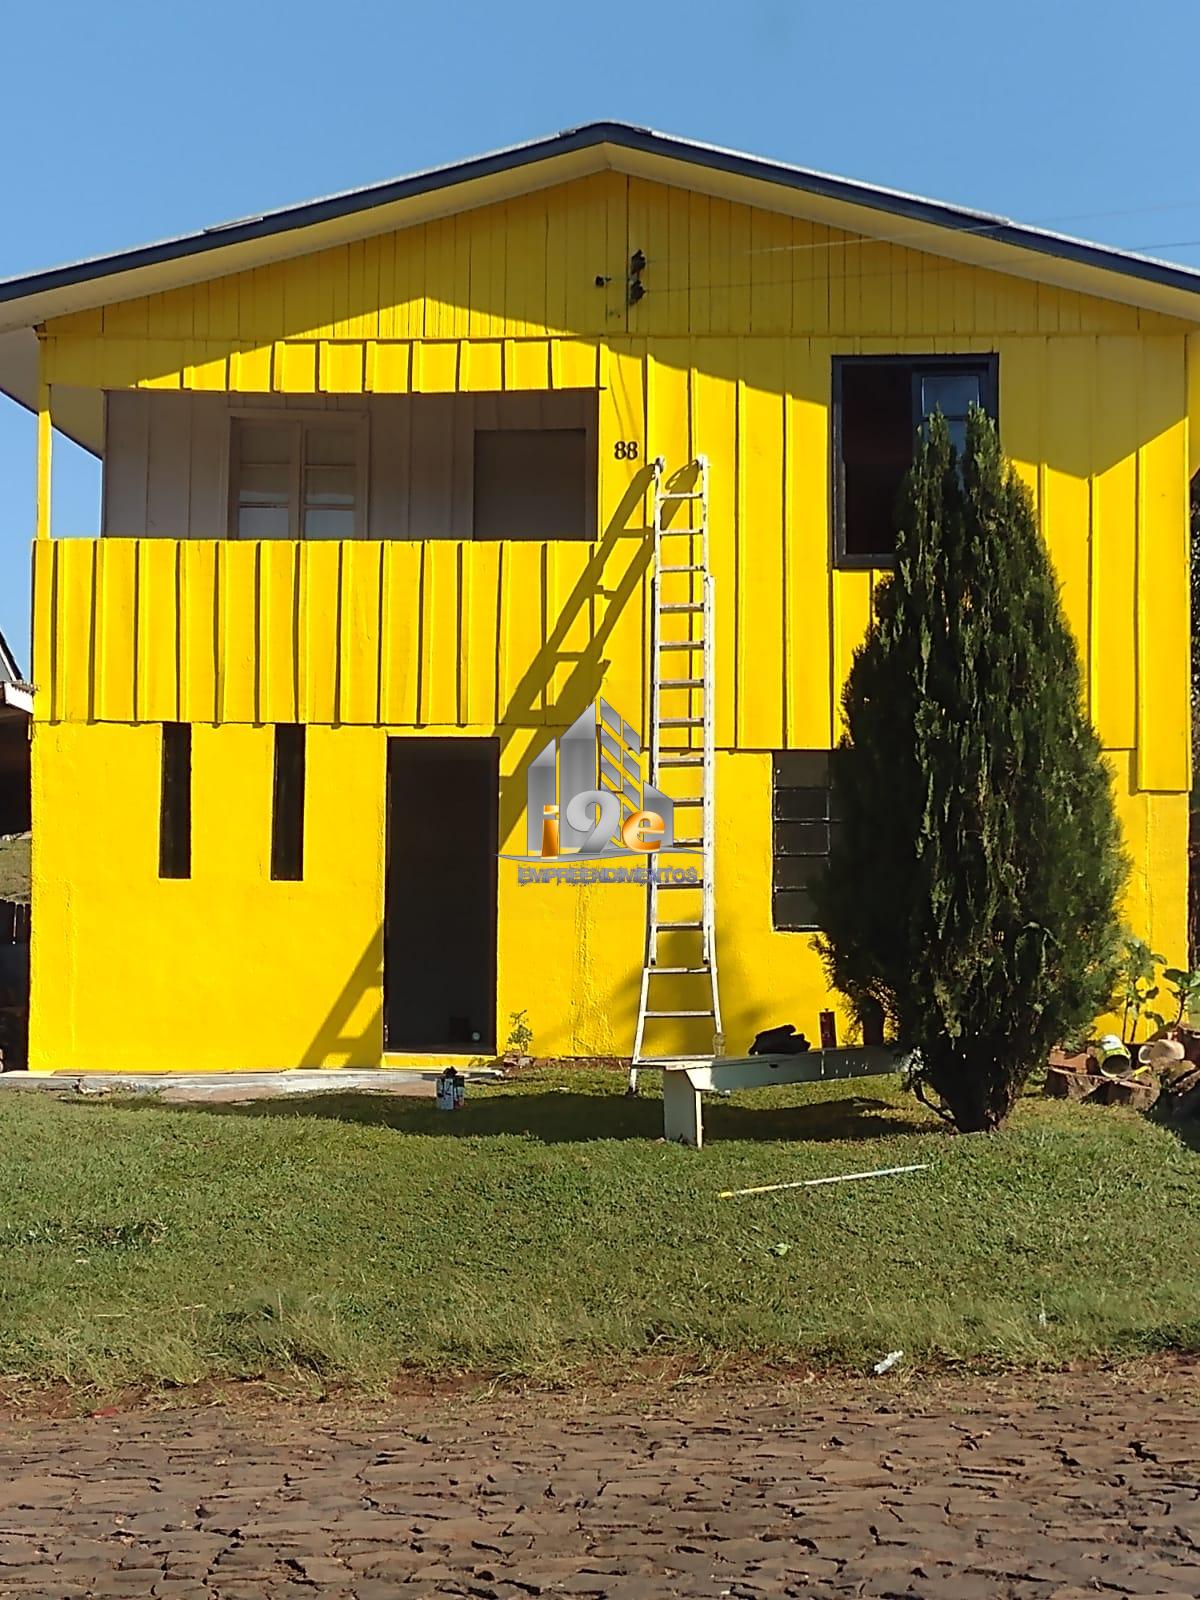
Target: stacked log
[1066,1083]
[1169,1079]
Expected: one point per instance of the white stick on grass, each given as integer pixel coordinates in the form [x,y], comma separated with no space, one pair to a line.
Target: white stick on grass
[811,1183]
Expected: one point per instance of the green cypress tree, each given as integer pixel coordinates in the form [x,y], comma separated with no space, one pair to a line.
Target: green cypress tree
[974,878]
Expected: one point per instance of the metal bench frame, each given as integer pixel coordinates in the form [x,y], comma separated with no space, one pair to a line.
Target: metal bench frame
[683,1085]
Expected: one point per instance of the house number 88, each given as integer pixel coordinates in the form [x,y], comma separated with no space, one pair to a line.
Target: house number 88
[626,449]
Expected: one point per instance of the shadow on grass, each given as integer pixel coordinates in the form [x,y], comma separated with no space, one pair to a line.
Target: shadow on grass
[1185,1129]
[569,1117]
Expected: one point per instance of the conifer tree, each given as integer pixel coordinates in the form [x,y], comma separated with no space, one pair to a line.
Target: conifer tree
[975,873]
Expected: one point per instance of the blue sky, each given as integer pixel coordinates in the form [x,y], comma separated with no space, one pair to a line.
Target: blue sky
[133,120]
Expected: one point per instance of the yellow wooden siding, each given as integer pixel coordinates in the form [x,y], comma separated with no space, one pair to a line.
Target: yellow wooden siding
[1095,425]
[360,632]
[729,353]
[529,269]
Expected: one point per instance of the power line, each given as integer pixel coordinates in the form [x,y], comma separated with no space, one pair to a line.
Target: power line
[932,266]
[851,241]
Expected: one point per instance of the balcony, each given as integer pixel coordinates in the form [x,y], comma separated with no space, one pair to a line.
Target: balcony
[396,632]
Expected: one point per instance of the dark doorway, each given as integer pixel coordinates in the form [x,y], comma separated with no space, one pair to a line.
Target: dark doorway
[14,772]
[439,982]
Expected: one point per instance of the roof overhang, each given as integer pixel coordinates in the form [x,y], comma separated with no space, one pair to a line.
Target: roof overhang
[16,701]
[9,671]
[972,237]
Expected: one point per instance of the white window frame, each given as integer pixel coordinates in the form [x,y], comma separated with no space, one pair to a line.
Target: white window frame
[298,424]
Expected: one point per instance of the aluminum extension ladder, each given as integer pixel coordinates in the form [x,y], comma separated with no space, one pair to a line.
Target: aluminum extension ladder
[681,751]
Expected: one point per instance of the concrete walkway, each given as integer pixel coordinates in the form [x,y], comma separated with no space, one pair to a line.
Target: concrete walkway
[192,1088]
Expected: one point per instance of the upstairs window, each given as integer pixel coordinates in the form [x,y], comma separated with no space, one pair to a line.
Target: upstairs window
[297,478]
[531,483]
[879,404]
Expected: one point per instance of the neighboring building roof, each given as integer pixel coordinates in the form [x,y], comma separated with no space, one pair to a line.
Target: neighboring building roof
[963,234]
[16,696]
[9,671]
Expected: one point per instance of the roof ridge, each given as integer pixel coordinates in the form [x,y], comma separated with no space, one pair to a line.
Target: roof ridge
[627,136]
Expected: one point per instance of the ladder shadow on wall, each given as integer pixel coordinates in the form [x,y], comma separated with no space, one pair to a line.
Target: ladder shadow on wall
[614,574]
[348,1037]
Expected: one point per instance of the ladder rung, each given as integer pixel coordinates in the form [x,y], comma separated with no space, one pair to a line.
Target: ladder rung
[674,568]
[690,800]
[690,494]
[681,683]
[679,971]
[681,722]
[688,844]
[663,1014]
[683,605]
[699,884]
[681,644]
[677,927]
[680,760]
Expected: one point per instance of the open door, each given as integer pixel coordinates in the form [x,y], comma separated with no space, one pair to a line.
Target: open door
[439,982]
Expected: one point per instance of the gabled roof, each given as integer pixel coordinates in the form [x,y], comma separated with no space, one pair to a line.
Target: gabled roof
[975,237]
[622,137]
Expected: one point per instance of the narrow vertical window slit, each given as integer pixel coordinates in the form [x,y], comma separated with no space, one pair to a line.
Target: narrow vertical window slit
[287,809]
[175,802]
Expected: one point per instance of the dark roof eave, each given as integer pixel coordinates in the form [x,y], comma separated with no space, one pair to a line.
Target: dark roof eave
[913,208]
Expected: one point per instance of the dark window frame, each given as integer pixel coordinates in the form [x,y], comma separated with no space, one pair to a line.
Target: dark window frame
[288,796]
[987,365]
[175,802]
[797,824]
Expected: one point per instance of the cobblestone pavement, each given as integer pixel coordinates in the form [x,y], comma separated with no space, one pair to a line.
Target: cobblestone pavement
[1091,1486]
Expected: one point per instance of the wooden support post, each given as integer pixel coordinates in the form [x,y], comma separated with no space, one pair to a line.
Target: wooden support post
[45,434]
[683,1114]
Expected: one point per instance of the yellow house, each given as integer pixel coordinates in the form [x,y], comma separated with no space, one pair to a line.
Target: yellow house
[377,531]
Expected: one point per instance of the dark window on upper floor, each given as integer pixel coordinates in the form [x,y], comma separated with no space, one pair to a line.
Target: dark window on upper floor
[287,803]
[879,403]
[175,802]
[531,483]
[802,826]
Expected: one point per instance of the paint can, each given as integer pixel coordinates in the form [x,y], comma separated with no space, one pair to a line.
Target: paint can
[451,1090]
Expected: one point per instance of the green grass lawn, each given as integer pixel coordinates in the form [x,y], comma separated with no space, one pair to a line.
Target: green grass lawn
[542,1231]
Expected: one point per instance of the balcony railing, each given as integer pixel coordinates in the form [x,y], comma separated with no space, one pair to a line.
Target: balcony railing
[394,633]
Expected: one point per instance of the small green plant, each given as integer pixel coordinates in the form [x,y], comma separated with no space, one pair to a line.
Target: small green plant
[520,1034]
[1137,986]
[1184,989]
